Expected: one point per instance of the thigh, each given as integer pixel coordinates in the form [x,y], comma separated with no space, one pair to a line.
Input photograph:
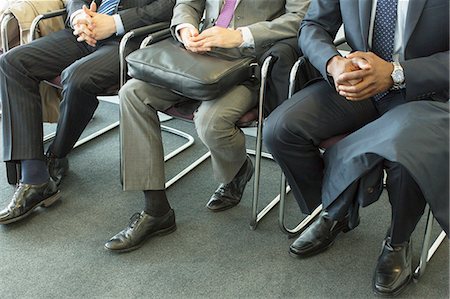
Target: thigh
[227,109]
[154,96]
[96,71]
[317,113]
[46,57]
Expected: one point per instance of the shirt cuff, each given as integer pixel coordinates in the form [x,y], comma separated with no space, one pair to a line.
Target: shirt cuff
[120,30]
[73,15]
[181,26]
[247,36]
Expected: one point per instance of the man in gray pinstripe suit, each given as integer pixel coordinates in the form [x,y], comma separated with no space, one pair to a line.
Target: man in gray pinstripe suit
[86,56]
[252,29]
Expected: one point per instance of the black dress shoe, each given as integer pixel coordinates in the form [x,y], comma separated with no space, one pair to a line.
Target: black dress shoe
[318,236]
[394,269]
[142,227]
[57,167]
[229,195]
[27,198]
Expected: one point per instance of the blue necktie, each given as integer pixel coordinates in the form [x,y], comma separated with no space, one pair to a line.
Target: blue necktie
[108,7]
[384,31]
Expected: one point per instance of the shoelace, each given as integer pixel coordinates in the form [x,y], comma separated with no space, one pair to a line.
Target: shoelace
[134,219]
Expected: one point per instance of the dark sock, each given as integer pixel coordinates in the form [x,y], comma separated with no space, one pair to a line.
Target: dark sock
[34,172]
[156,203]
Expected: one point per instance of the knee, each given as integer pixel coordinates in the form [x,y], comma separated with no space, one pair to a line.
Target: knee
[133,94]
[127,92]
[11,60]
[76,79]
[281,130]
[211,128]
[272,127]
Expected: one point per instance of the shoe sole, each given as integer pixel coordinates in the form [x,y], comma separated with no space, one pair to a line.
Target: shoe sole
[221,209]
[160,233]
[45,204]
[394,293]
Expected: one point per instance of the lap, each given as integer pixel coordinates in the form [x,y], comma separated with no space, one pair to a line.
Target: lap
[320,113]
[47,56]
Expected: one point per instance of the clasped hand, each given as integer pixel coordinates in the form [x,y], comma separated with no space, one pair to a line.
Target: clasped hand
[210,38]
[91,26]
[360,75]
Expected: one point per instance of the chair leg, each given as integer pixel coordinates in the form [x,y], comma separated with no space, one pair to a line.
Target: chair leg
[427,251]
[256,217]
[292,232]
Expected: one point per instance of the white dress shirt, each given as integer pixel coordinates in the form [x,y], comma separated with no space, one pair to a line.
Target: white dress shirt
[247,36]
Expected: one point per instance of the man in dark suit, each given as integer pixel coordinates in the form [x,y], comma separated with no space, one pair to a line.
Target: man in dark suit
[400,55]
[86,56]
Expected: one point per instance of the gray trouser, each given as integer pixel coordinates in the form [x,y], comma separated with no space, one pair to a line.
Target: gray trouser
[142,155]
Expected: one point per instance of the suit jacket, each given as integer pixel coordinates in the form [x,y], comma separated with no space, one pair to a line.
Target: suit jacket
[414,134]
[268,20]
[134,13]
[426,64]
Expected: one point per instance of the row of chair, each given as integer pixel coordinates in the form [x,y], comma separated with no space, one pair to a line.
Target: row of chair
[157,32]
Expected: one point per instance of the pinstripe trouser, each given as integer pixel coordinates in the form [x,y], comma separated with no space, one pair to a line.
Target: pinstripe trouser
[85,72]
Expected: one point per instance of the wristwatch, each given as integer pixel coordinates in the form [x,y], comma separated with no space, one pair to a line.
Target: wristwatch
[398,76]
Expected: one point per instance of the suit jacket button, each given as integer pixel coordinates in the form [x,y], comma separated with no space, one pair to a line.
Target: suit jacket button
[370,190]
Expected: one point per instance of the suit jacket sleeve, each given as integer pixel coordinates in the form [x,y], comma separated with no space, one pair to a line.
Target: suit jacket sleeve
[187,11]
[154,12]
[427,77]
[318,31]
[74,5]
[267,33]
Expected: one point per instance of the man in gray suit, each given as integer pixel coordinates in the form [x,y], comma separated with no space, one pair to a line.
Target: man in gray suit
[86,56]
[400,55]
[250,29]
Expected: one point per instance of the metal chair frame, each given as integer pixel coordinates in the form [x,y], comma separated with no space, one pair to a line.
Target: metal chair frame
[427,250]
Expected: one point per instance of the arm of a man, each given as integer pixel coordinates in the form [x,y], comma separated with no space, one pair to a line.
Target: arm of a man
[267,33]
[317,33]
[427,77]
[154,12]
[73,6]
[187,12]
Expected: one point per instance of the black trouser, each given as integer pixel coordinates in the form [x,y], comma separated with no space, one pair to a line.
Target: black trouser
[295,129]
[85,72]
[406,199]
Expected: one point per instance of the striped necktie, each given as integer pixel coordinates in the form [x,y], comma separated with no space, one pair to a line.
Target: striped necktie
[226,14]
[384,32]
[108,7]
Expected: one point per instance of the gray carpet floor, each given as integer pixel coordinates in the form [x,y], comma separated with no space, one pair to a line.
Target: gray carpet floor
[58,252]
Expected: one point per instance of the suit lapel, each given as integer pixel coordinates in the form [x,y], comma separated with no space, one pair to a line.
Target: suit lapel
[415,9]
[365,8]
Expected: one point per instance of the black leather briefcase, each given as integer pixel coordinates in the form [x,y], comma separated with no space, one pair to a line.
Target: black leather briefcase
[198,76]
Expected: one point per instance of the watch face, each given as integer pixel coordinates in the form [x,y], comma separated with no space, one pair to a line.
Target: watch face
[397,76]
